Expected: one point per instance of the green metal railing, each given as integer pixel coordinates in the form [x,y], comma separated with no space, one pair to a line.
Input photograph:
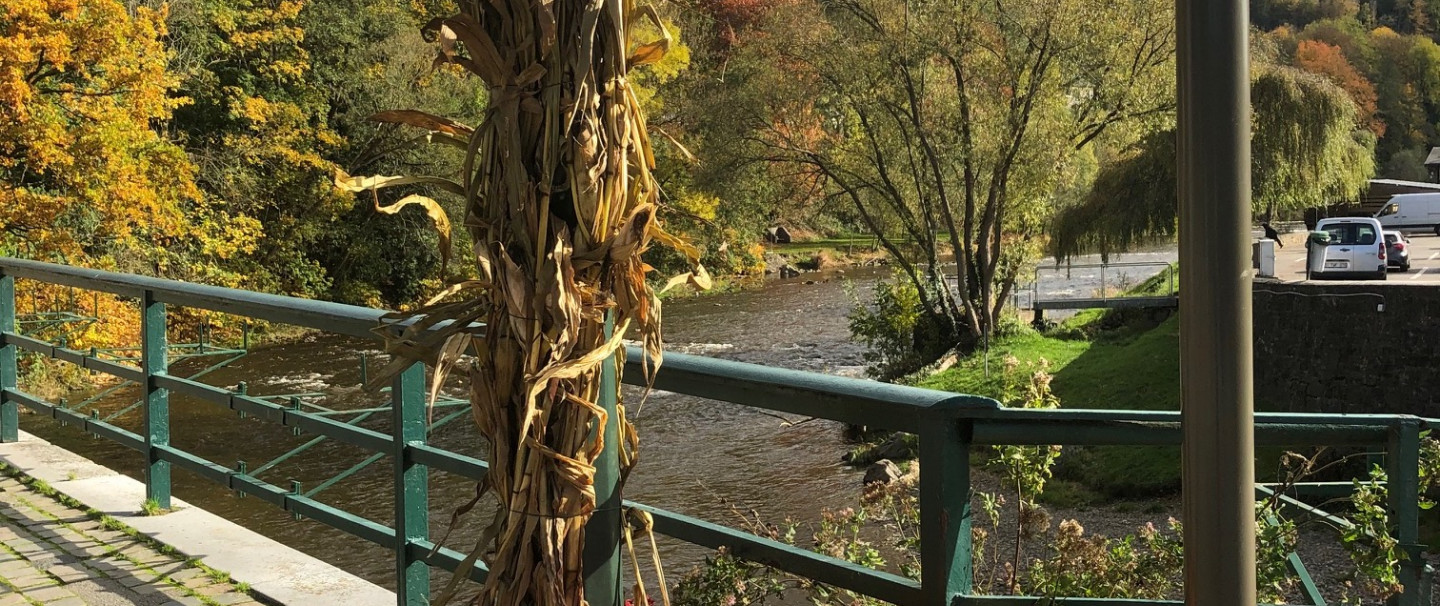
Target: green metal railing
[948,426]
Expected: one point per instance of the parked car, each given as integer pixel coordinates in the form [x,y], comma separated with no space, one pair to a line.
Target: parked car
[1348,248]
[1412,212]
[1397,249]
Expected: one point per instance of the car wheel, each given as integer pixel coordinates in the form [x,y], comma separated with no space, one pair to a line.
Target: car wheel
[1405,267]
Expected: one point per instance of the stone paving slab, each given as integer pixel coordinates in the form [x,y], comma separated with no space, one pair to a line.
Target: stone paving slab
[39,565]
[275,573]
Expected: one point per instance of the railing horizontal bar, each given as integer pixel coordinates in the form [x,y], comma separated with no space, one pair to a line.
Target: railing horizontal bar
[824,569]
[1322,490]
[870,403]
[341,520]
[1077,432]
[99,428]
[332,317]
[224,397]
[1044,267]
[449,462]
[1173,416]
[128,373]
[372,441]
[446,558]
[325,514]
[205,468]
[1030,600]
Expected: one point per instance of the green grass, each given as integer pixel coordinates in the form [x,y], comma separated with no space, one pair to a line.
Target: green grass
[151,507]
[1134,364]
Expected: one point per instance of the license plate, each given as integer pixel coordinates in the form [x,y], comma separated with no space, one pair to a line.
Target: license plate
[1337,264]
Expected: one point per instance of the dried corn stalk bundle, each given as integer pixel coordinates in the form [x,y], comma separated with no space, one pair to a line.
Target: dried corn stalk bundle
[560,203]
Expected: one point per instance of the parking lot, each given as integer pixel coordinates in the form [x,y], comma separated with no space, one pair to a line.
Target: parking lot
[1424,259]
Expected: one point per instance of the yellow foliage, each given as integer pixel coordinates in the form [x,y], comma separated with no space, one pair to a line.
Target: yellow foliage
[84,177]
[80,84]
[699,205]
[675,60]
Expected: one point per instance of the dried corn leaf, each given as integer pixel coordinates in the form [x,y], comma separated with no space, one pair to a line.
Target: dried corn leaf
[438,218]
[372,183]
[419,119]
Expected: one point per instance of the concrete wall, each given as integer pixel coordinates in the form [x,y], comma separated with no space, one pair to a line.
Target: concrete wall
[1328,347]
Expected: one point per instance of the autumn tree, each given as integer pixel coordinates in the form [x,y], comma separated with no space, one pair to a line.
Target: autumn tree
[1406,75]
[1329,61]
[84,177]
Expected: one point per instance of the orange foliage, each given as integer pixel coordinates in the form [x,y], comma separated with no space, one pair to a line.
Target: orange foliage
[1329,61]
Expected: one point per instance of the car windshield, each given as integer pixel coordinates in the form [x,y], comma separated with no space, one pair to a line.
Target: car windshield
[1391,238]
[1342,234]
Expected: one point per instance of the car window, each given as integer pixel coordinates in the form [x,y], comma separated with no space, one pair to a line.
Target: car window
[1366,234]
[1341,234]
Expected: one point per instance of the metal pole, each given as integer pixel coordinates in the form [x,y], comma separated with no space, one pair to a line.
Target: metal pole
[1216,381]
[156,412]
[946,554]
[602,532]
[1403,469]
[412,488]
[9,367]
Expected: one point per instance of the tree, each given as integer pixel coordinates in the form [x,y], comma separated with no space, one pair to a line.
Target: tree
[1306,150]
[84,177]
[1329,61]
[255,128]
[955,123]
[1406,75]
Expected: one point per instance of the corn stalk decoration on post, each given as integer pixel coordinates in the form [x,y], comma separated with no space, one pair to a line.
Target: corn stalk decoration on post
[560,203]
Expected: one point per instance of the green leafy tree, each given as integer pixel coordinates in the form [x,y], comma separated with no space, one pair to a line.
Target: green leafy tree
[1307,149]
[256,128]
[947,128]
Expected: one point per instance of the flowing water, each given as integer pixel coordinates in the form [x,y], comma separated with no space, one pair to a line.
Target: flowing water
[708,459]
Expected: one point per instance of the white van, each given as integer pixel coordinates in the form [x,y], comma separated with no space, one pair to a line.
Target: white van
[1355,250]
[1411,212]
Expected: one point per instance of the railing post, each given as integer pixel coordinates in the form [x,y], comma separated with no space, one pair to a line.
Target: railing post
[945,552]
[412,486]
[602,532]
[156,413]
[1403,478]
[9,368]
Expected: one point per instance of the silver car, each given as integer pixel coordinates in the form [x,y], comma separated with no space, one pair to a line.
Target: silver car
[1397,247]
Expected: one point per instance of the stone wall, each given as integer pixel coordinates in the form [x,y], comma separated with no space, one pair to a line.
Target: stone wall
[1350,347]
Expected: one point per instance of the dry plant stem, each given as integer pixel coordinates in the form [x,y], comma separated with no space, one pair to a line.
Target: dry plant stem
[561,204]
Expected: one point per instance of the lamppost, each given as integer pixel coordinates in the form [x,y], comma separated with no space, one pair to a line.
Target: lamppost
[1216,381]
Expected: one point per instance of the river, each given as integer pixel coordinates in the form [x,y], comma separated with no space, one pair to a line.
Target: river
[703,458]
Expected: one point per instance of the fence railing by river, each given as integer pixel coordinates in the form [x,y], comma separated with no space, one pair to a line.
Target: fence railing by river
[948,425]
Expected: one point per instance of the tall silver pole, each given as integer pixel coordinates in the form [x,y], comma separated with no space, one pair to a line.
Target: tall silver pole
[1215,323]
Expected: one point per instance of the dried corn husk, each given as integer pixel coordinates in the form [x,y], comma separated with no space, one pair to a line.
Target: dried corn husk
[561,204]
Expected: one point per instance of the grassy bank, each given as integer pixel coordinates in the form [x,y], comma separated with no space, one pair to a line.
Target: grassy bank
[1116,360]
[1133,368]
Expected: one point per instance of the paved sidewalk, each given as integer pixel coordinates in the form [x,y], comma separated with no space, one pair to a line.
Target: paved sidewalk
[55,555]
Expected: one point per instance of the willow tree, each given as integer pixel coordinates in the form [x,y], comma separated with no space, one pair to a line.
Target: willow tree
[560,203]
[1309,147]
